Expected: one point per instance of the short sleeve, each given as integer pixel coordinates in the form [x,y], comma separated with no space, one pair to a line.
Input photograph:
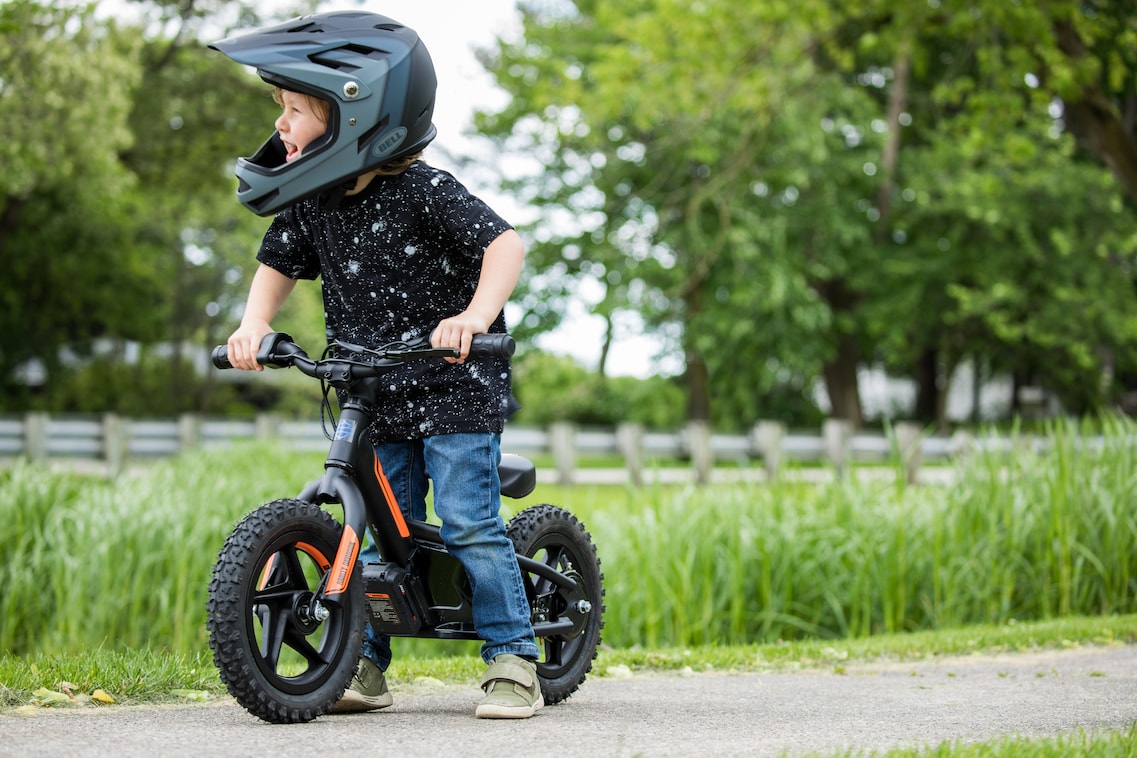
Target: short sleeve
[464,217]
[287,246]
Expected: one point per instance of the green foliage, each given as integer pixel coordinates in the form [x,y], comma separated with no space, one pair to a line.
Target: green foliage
[786,192]
[117,216]
[64,196]
[803,190]
[555,388]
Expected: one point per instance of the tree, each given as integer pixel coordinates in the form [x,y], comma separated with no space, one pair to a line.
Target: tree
[65,200]
[779,181]
[117,217]
[648,119]
[988,197]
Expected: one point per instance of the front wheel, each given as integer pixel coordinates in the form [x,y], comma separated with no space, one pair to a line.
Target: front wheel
[555,537]
[282,655]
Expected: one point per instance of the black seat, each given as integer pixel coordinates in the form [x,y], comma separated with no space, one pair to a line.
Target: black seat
[518,475]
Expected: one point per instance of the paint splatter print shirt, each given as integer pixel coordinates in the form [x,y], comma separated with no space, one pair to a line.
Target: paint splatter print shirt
[395,260]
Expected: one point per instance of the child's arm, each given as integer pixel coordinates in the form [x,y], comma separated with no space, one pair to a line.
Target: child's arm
[267,293]
[501,268]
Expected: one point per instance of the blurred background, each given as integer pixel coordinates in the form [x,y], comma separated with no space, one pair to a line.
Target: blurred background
[736,210]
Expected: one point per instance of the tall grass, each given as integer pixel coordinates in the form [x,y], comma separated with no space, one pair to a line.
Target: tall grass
[1023,534]
[124,564]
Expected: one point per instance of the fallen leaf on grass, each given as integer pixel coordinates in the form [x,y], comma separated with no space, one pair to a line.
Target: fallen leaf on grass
[191,694]
[101,696]
[51,697]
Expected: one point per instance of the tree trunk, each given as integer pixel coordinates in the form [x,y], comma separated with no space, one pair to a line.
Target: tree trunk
[605,347]
[926,374]
[1095,121]
[841,381]
[890,154]
[698,389]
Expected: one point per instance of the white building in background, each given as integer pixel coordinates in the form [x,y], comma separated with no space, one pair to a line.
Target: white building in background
[884,396]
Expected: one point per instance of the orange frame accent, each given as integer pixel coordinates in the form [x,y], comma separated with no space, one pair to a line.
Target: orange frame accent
[344,562]
[389,496]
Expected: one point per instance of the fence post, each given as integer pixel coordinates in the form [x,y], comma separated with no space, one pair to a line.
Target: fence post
[562,444]
[35,436]
[116,443]
[836,433]
[267,426]
[629,439]
[700,449]
[908,438]
[189,432]
[961,443]
[766,438]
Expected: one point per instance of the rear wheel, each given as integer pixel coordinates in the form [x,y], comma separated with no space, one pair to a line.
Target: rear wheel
[554,537]
[284,657]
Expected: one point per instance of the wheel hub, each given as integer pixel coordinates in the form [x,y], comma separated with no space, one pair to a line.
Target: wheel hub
[306,613]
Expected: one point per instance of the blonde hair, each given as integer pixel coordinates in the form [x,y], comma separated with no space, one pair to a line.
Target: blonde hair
[398,166]
[318,104]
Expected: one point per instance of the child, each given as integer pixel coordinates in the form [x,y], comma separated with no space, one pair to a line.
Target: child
[404,252]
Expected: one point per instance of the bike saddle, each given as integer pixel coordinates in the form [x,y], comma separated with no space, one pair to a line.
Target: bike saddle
[518,475]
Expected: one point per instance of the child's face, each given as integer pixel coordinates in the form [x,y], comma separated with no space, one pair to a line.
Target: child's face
[299,123]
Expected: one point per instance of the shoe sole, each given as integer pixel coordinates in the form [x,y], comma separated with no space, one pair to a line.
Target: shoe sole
[493,711]
[354,703]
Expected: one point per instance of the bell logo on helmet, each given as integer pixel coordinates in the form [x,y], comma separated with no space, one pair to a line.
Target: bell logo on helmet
[389,142]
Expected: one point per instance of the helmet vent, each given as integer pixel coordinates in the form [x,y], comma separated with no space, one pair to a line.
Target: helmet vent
[365,138]
[343,58]
[332,61]
[311,26]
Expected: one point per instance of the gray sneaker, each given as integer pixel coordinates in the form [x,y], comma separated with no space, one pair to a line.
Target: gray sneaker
[367,692]
[512,689]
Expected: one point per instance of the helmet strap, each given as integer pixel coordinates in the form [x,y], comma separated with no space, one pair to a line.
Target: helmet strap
[331,199]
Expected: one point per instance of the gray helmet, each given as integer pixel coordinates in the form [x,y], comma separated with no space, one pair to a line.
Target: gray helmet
[378,79]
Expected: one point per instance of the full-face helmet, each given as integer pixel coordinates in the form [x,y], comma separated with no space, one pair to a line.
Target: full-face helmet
[378,80]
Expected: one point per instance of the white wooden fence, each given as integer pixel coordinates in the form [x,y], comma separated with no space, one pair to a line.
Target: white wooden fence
[695,453]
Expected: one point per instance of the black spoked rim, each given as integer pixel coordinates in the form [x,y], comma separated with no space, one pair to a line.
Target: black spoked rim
[293,649]
[561,651]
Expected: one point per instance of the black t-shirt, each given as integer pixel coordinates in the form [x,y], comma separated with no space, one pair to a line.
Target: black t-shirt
[395,260]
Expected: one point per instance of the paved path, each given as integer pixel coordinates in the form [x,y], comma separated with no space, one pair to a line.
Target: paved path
[868,706]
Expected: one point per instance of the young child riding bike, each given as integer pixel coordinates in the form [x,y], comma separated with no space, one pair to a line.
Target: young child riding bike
[404,252]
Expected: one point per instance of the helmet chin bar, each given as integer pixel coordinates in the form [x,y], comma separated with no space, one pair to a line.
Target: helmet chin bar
[271,154]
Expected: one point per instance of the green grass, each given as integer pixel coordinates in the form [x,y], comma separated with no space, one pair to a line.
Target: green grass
[146,677]
[149,676]
[1020,536]
[104,582]
[1109,744]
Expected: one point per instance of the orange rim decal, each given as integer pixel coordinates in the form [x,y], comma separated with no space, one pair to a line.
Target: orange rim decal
[315,555]
[266,572]
[392,504]
[345,561]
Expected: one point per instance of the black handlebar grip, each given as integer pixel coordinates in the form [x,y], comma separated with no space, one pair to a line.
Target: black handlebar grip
[492,346]
[220,357]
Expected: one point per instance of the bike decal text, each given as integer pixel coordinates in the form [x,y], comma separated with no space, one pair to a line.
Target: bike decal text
[344,561]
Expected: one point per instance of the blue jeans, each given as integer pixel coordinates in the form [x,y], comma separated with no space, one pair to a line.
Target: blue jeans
[467,499]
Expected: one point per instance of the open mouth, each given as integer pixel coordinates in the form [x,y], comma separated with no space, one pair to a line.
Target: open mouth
[293,152]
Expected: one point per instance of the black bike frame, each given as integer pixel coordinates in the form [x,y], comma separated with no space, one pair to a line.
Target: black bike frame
[354,478]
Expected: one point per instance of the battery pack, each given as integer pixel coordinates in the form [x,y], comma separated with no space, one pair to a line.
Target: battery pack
[391,610]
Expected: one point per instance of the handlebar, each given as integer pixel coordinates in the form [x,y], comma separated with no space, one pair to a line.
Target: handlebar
[279,351]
